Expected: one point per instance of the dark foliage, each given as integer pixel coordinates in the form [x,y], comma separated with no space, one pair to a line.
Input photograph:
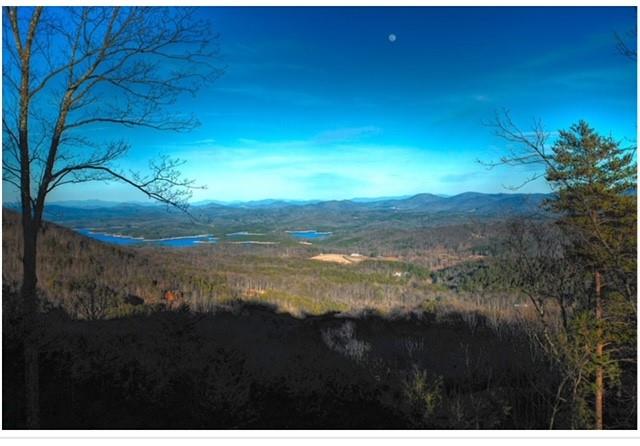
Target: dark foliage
[248,366]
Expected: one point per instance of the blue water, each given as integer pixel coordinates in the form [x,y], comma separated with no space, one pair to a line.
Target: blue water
[185,242]
[309,235]
[243,234]
[108,238]
[176,242]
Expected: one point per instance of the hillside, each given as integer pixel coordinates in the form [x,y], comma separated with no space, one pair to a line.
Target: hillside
[227,336]
[74,269]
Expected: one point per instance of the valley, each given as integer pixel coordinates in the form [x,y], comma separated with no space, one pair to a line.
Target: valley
[342,225]
[296,330]
[381,294]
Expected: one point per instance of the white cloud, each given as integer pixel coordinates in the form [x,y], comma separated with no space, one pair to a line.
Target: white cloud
[333,164]
[272,94]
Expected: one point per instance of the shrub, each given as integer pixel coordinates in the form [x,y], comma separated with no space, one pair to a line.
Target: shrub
[342,340]
[423,396]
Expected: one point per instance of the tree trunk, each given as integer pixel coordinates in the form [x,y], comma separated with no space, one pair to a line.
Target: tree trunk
[599,402]
[31,332]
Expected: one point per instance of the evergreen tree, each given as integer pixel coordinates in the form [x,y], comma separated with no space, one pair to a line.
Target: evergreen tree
[595,184]
[595,181]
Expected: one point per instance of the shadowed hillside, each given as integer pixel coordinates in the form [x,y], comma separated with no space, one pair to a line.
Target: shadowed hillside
[247,366]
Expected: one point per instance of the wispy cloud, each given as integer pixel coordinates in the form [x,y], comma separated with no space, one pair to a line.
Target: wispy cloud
[323,183]
[270,94]
[459,177]
[266,58]
[348,134]
[335,163]
[593,44]
[481,98]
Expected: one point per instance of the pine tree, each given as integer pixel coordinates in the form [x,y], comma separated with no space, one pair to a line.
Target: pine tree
[595,183]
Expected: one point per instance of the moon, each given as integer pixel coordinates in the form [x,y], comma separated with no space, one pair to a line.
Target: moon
[392,37]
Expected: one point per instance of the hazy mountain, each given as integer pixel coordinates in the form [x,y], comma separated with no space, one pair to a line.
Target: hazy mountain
[94,204]
[268,202]
[465,202]
[374,199]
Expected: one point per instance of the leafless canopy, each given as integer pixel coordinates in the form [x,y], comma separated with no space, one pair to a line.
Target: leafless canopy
[71,74]
[523,148]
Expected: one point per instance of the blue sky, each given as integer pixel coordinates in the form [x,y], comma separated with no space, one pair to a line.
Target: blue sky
[317,103]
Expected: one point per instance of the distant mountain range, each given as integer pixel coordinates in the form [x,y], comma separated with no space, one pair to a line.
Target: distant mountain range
[269,202]
[468,203]
[94,204]
[404,202]
[358,217]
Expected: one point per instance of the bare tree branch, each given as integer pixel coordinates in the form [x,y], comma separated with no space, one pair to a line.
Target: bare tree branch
[120,66]
[624,48]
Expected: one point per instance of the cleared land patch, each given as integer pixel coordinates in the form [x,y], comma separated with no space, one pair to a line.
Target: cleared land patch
[340,258]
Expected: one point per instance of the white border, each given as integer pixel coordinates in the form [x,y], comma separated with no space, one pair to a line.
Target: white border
[484,437]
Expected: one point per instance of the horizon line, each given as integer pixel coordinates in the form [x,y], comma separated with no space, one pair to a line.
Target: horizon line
[290,200]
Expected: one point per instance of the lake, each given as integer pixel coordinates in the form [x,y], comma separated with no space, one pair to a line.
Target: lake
[173,242]
[193,240]
[243,234]
[310,234]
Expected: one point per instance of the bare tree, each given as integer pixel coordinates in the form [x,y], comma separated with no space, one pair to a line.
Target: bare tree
[90,301]
[524,148]
[68,75]
[536,255]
